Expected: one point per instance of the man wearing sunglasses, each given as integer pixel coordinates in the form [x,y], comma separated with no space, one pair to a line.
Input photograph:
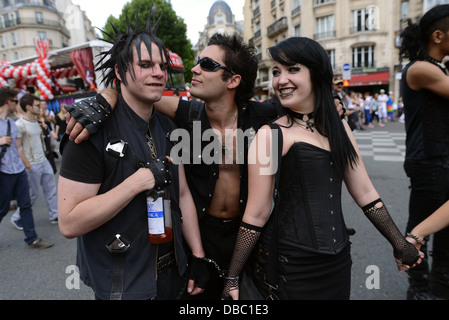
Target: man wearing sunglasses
[224,79]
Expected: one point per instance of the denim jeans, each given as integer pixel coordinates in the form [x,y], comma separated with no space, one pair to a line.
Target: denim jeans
[429,184]
[41,174]
[16,186]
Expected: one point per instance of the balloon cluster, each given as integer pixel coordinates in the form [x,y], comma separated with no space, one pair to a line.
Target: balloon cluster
[37,73]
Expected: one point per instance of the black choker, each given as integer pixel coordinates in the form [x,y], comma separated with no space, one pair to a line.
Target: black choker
[300,116]
[436,62]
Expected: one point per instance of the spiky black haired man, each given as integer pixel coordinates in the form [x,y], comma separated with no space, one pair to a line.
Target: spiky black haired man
[104,181]
[121,53]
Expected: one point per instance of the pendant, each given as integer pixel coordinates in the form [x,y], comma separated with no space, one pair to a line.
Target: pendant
[309,126]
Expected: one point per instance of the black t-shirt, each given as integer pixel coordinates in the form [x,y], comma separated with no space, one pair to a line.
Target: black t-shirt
[88,162]
[426,122]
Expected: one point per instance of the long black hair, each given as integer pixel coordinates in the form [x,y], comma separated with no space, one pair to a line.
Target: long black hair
[310,53]
[415,37]
[121,53]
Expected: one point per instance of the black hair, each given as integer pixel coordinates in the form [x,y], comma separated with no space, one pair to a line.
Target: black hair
[241,58]
[121,53]
[415,37]
[311,54]
[7,94]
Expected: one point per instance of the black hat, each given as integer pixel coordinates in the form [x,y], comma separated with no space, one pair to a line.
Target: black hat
[433,15]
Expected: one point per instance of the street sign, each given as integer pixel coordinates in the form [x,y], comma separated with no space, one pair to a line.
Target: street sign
[346,71]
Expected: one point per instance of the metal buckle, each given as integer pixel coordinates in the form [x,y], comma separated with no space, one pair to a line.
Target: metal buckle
[117,148]
[117,245]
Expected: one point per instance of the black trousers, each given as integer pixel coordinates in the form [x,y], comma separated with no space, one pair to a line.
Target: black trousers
[429,185]
[218,237]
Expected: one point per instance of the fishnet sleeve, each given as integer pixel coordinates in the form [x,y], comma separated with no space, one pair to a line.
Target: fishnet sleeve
[403,250]
[247,238]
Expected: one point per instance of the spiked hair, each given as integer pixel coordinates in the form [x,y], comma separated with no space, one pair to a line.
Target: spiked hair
[121,53]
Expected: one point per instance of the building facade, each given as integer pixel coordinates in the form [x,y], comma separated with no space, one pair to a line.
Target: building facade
[360,36]
[22,22]
[221,20]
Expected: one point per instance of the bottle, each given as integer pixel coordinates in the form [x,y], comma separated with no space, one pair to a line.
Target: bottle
[159,217]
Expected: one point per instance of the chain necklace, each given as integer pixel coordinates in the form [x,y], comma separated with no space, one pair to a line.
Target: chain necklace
[436,62]
[309,125]
[223,145]
[151,144]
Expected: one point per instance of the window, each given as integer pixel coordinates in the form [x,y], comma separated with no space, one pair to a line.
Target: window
[41,35]
[220,19]
[317,2]
[6,21]
[363,57]
[298,30]
[365,19]
[296,5]
[429,4]
[325,27]
[405,9]
[14,39]
[39,17]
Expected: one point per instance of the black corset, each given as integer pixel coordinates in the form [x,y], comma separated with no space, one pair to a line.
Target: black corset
[310,215]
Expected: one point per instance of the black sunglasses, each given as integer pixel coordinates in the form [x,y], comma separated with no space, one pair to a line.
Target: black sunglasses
[209,64]
[14,100]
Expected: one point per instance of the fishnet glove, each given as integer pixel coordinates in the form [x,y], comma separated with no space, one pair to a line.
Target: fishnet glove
[380,218]
[247,238]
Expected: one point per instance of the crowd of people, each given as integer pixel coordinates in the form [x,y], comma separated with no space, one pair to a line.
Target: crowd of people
[367,109]
[244,228]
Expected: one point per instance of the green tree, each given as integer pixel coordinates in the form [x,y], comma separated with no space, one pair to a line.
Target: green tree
[172,29]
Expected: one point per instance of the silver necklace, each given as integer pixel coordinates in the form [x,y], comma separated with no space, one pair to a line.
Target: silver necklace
[223,145]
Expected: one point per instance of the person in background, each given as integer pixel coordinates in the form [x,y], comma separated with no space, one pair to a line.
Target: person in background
[13,172]
[436,222]
[31,150]
[425,94]
[382,99]
[61,124]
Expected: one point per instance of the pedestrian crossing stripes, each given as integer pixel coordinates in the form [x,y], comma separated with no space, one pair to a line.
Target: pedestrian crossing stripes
[382,145]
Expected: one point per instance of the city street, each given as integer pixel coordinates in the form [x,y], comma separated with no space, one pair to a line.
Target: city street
[31,274]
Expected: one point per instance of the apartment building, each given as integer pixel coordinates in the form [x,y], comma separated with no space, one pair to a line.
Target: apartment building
[22,22]
[360,36]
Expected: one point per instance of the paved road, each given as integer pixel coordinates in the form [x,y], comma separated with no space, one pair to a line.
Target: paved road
[29,274]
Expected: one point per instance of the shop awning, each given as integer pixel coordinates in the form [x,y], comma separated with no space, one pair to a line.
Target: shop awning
[370,79]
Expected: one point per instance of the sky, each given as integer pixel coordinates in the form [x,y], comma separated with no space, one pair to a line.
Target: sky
[194,12]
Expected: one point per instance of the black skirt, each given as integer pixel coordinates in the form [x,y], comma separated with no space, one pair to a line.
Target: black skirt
[302,277]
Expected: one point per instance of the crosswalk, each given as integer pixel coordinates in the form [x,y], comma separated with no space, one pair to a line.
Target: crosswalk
[382,145]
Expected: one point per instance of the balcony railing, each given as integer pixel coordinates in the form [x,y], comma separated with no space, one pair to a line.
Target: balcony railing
[277,27]
[33,22]
[326,34]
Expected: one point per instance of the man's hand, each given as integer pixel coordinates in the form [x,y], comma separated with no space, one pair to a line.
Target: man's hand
[199,275]
[87,116]
[5,140]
